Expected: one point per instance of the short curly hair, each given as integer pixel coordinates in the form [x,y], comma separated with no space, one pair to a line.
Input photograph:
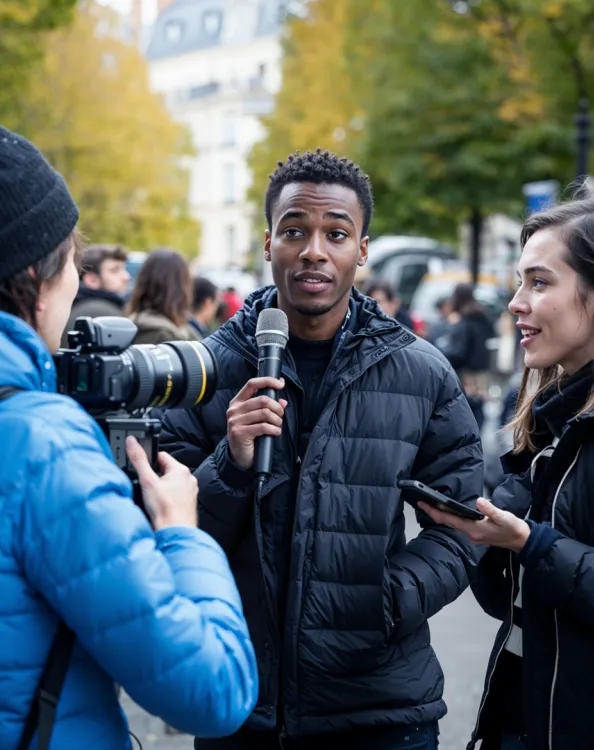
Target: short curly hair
[321,167]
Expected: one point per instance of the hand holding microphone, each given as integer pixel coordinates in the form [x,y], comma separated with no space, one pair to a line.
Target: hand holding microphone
[254,420]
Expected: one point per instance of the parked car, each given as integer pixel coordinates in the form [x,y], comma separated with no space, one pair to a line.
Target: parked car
[489,292]
[403,262]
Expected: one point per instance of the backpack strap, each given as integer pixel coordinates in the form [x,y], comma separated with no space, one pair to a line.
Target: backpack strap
[42,714]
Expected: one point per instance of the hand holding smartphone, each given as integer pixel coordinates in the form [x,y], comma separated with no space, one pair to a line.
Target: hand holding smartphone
[413,491]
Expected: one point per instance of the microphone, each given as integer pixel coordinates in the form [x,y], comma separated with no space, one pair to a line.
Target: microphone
[272,334]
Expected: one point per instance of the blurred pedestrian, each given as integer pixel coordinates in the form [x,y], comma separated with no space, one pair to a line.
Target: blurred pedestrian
[439,330]
[204,307]
[103,284]
[467,349]
[90,594]
[231,302]
[383,293]
[502,441]
[162,299]
[538,574]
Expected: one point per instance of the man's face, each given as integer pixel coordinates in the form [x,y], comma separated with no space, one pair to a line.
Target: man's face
[112,277]
[209,309]
[315,245]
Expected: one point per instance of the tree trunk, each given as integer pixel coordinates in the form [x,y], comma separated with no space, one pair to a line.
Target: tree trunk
[476,230]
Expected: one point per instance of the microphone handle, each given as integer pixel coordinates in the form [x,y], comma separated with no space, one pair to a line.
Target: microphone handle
[270,362]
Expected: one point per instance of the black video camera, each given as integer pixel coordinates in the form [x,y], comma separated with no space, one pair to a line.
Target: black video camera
[118,383]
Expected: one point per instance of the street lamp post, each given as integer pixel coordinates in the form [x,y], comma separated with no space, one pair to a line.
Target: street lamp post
[583,122]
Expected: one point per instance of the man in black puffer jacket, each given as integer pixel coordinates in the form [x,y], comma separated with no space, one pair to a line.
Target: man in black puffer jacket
[336,600]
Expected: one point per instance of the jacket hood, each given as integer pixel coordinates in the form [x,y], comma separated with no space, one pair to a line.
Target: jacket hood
[26,362]
[371,320]
[85,293]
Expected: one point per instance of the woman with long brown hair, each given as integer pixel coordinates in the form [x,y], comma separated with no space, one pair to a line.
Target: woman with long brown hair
[537,575]
[161,302]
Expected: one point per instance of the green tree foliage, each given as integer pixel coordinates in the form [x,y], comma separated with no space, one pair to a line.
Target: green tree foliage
[89,108]
[455,133]
[22,25]
[449,106]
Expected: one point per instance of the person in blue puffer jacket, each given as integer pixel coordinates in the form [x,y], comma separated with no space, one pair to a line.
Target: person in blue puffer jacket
[155,611]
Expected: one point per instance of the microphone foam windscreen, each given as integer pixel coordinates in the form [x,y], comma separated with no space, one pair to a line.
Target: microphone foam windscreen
[272,327]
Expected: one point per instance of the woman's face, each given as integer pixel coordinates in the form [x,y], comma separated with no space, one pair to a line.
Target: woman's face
[557,325]
[55,303]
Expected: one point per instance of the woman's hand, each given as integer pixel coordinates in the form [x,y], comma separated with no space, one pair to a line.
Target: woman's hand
[170,499]
[499,528]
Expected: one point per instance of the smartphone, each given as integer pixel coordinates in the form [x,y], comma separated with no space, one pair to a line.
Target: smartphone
[414,491]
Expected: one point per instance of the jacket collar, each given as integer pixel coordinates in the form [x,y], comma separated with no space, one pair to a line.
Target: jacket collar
[366,321]
[560,403]
[85,293]
[26,362]
[149,320]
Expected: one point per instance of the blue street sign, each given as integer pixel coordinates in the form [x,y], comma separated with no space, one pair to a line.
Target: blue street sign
[540,195]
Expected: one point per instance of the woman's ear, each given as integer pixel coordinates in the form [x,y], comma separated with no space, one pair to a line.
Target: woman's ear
[40,303]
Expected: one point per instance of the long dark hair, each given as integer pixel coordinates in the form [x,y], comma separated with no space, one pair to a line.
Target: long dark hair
[19,294]
[164,286]
[574,225]
[464,302]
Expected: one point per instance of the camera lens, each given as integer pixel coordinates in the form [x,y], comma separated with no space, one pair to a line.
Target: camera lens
[176,374]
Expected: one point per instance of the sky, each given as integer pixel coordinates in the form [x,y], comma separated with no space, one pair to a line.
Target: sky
[149,8]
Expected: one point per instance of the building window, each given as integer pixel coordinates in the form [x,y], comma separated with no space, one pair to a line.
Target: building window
[229,183]
[228,129]
[211,22]
[230,242]
[174,31]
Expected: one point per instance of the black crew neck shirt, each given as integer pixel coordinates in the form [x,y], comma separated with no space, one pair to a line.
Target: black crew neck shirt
[311,362]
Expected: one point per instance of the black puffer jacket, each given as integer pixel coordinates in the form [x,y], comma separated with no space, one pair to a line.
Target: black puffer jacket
[467,342]
[557,588]
[354,649]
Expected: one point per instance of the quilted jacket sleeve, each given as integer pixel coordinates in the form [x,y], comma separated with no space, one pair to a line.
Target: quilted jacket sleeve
[564,579]
[226,491]
[435,568]
[159,612]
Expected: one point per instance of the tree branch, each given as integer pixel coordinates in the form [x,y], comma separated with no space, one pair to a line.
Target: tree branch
[572,55]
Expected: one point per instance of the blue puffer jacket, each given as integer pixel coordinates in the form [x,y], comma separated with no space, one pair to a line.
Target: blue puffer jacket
[158,613]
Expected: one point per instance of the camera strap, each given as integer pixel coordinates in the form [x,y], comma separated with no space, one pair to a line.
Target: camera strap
[42,714]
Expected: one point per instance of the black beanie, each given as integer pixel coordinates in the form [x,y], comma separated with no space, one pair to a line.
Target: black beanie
[37,212]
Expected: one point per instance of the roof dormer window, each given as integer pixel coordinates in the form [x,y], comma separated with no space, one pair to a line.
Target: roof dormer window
[174,31]
[211,22]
